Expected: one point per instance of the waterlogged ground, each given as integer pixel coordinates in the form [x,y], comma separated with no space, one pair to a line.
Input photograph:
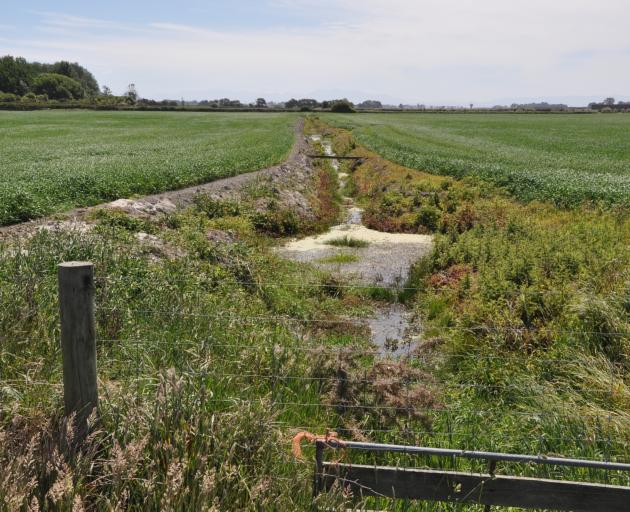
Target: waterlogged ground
[378,258]
[385,260]
[368,258]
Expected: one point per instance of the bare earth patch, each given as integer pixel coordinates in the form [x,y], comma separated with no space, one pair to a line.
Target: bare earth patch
[386,260]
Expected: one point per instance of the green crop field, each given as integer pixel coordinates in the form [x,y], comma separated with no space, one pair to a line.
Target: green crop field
[214,351]
[53,161]
[559,157]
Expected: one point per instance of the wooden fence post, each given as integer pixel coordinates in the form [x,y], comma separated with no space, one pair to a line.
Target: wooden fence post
[78,343]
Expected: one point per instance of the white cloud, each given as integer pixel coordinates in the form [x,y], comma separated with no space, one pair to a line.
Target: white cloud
[415,50]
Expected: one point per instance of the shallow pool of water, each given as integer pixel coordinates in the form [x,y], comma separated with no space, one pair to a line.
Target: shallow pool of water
[384,260]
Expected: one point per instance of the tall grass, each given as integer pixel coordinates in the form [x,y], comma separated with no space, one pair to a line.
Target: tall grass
[525,312]
[347,241]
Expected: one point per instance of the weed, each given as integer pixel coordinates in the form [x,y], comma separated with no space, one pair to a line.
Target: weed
[217,208]
[340,258]
[277,222]
[347,241]
[121,220]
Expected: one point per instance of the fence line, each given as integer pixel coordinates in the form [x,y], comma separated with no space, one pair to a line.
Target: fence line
[324,379]
[349,321]
[321,349]
[79,343]
[348,285]
[487,489]
[341,285]
[403,431]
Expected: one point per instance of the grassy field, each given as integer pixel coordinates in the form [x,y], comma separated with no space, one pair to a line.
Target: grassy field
[566,159]
[56,160]
[213,351]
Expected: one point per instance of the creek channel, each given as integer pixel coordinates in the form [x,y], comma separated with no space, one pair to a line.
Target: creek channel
[366,258]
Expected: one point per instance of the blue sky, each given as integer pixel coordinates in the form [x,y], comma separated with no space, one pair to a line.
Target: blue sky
[412,51]
[213,14]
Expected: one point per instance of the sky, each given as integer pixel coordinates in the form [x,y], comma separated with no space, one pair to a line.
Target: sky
[433,52]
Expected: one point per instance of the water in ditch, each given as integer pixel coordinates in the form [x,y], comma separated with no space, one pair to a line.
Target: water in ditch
[374,259]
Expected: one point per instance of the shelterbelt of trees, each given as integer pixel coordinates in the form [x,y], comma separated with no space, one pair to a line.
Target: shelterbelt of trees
[37,81]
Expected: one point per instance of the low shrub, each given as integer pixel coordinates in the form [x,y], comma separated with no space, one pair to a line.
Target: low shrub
[217,208]
[428,218]
[342,107]
[276,222]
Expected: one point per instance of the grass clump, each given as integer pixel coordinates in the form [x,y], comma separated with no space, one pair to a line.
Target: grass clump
[217,208]
[347,241]
[121,220]
[276,222]
[20,205]
[340,258]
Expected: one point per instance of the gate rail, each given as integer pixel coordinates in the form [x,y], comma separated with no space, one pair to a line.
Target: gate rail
[466,487]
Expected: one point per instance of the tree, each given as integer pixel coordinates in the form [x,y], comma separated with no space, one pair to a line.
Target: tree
[132,93]
[342,106]
[84,77]
[77,72]
[609,102]
[57,87]
[372,104]
[261,103]
[15,75]
[18,76]
[308,103]
[107,91]
[8,97]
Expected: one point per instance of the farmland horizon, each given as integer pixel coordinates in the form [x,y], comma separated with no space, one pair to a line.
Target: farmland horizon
[567,53]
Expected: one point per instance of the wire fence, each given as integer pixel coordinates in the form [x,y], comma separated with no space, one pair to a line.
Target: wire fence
[397,284]
[361,390]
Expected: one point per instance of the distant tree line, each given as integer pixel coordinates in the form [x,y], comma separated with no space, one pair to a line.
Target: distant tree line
[370,104]
[26,85]
[306,104]
[542,106]
[609,105]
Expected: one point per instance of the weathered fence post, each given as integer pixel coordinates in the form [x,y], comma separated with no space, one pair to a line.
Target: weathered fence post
[78,343]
